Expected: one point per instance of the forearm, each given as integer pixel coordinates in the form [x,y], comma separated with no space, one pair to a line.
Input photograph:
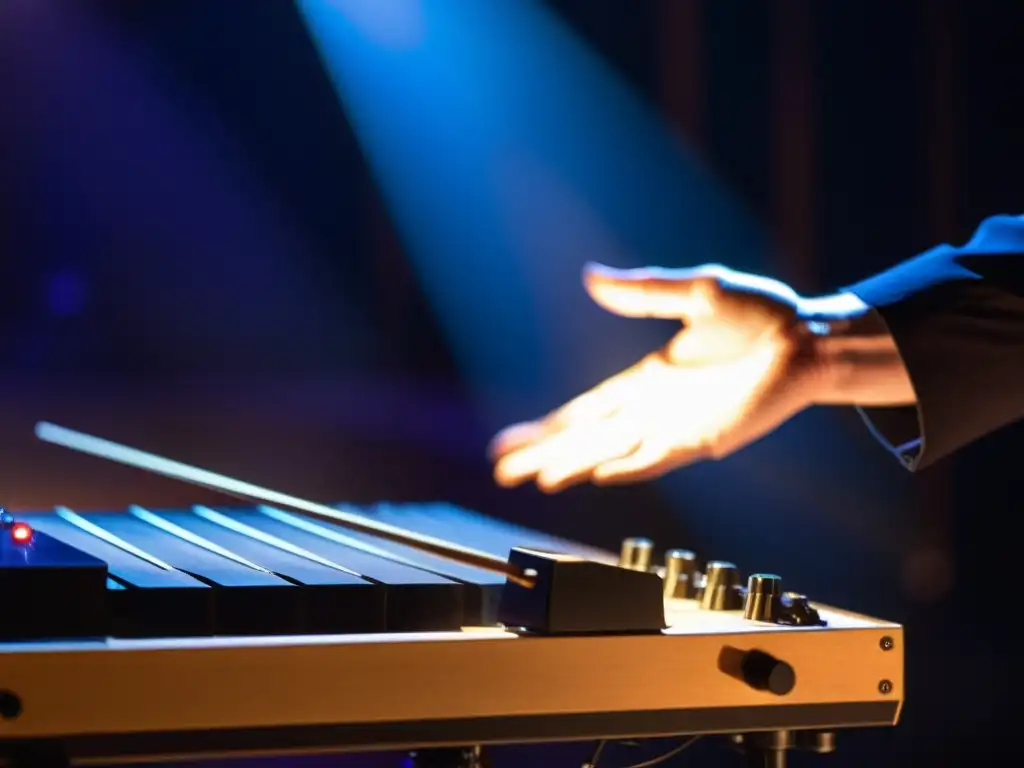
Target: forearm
[854,354]
[945,339]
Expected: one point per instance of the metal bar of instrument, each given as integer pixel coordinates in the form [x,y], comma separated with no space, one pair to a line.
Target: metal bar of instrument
[176,470]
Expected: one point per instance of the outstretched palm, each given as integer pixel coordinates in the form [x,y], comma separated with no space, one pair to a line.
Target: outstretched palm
[739,368]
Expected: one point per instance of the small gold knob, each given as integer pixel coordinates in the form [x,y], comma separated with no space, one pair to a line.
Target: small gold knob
[722,587]
[680,573]
[636,554]
[764,592]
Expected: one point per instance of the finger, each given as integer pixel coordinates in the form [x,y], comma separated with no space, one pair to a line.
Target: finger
[589,407]
[598,403]
[576,448]
[649,461]
[650,292]
[514,469]
[607,397]
[519,466]
[590,451]
[515,437]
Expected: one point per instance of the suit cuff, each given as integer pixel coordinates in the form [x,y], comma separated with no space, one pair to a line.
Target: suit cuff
[899,430]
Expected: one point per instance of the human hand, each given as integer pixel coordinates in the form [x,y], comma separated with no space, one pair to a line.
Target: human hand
[744,362]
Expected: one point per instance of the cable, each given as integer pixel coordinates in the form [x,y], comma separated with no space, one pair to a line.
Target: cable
[592,763]
[667,756]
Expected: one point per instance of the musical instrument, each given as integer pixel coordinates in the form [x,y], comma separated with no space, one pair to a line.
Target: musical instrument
[146,633]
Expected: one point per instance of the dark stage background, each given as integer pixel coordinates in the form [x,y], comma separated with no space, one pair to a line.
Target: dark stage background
[208,268]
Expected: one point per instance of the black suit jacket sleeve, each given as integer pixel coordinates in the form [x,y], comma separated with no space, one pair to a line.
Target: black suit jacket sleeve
[957,317]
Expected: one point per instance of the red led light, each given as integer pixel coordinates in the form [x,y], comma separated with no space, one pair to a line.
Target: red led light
[21,533]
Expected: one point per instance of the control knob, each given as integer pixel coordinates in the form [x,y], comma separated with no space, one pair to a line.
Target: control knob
[765,601]
[721,587]
[764,598]
[764,672]
[635,554]
[680,574]
[798,611]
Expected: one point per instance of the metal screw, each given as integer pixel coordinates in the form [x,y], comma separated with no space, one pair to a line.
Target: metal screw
[887,643]
[885,686]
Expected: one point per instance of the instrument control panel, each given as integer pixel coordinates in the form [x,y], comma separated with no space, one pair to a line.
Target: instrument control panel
[200,620]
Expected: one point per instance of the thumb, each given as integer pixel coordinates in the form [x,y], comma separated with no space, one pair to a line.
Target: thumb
[651,291]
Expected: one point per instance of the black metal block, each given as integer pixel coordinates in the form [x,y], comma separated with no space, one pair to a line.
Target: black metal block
[50,590]
[572,596]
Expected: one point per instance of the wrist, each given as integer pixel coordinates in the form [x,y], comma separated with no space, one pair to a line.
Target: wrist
[855,357]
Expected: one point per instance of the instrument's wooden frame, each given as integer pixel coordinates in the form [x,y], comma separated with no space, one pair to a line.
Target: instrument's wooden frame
[158,699]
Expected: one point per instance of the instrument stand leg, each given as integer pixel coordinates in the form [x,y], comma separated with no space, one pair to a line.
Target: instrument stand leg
[770,749]
[453,757]
[765,750]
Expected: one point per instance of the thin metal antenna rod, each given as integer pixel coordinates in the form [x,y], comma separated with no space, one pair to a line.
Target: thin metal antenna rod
[176,470]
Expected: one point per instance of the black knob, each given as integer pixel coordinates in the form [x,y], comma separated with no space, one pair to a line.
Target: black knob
[721,587]
[10,705]
[635,554]
[764,672]
[763,600]
[797,610]
[680,573]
